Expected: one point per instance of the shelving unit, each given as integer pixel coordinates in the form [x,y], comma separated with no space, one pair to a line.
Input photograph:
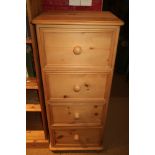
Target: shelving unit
[36,121]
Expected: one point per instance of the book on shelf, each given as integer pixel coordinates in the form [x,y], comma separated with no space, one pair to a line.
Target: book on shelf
[32,96]
[29,62]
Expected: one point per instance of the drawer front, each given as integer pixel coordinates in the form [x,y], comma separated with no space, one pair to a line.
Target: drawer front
[78,137]
[74,114]
[77,48]
[75,85]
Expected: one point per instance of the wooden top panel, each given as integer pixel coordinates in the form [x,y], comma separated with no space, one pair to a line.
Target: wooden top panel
[77,17]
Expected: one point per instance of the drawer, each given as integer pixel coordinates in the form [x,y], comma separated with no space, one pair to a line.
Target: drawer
[76,114]
[75,85]
[78,137]
[77,48]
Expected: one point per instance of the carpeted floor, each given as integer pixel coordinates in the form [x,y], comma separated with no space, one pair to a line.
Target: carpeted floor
[116,138]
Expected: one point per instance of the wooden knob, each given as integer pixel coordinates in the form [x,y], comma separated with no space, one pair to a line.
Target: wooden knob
[76,137]
[76,88]
[77,50]
[76,115]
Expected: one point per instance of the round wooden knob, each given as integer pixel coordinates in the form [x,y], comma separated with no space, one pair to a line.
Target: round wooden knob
[77,50]
[76,137]
[77,88]
[76,115]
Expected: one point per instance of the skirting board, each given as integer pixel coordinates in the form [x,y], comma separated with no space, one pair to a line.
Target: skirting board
[97,148]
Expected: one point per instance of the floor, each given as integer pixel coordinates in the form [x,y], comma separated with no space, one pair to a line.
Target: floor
[116,138]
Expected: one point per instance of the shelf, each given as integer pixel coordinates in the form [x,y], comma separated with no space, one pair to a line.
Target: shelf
[28,41]
[33,107]
[32,101]
[36,138]
[31,83]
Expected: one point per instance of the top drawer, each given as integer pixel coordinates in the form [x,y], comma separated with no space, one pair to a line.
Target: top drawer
[76,47]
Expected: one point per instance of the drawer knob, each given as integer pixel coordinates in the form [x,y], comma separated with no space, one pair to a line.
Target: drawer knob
[77,50]
[76,88]
[76,115]
[76,137]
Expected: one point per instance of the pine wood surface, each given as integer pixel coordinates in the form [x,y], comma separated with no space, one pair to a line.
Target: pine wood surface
[33,135]
[35,107]
[92,44]
[76,114]
[76,85]
[77,136]
[36,139]
[98,32]
[78,17]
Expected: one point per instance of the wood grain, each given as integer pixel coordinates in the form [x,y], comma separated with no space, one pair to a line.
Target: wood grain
[87,137]
[84,114]
[90,85]
[35,107]
[77,54]
[36,139]
[92,43]
[77,17]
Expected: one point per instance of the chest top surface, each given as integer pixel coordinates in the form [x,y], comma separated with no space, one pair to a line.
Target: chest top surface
[78,17]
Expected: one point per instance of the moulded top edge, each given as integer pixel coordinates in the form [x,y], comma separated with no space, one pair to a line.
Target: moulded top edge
[78,17]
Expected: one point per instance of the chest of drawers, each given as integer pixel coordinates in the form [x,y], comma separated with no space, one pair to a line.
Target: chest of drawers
[77,54]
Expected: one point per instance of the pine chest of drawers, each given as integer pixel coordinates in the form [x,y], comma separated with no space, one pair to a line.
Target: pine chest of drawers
[77,54]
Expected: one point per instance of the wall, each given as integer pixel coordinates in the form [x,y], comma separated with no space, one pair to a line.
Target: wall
[64,5]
